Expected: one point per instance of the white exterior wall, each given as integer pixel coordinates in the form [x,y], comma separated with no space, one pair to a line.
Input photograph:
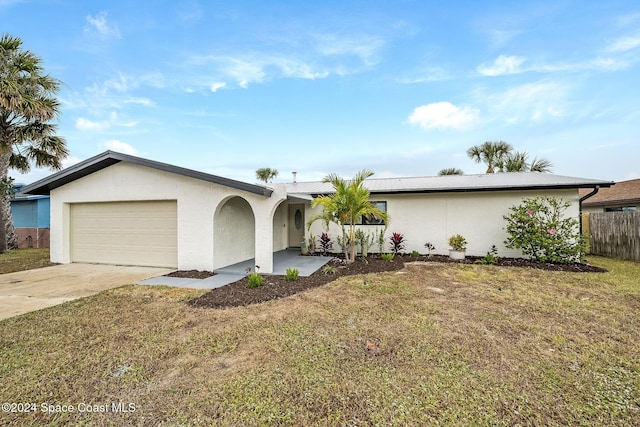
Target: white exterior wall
[197,202]
[434,217]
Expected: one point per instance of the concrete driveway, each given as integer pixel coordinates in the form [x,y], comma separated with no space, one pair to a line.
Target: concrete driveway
[31,290]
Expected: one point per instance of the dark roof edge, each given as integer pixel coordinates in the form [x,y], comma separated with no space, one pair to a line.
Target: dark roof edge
[108,158]
[485,189]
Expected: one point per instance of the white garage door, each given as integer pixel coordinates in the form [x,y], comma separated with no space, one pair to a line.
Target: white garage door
[127,233]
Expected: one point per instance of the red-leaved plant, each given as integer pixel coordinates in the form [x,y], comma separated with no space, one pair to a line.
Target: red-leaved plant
[397,242]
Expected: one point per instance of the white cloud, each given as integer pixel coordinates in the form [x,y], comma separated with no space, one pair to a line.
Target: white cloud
[121,147]
[140,101]
[364,47]
[217,86]
[100,25]
[624,44]
[245,71]
[88,125]
[432,74]
[502,65]
[529,102]
[70,161]
[442,115]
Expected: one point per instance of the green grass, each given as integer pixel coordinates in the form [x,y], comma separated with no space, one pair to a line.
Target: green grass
[23,259]
[435,344]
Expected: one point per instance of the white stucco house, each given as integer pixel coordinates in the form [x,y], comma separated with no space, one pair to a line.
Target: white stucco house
[119,209]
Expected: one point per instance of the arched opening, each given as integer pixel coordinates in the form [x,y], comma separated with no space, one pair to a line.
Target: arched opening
[234,233]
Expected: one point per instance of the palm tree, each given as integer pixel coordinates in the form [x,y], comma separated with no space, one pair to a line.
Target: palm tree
[514,162]
[266,174]
[27,105]
[451,171]
[346,205]
[491,152]
[540,165]
[518,162]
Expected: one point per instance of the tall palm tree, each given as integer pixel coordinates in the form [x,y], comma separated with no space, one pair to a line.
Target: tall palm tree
[27,105]
[266,174]
[346,205]
[491,153]
[450,171]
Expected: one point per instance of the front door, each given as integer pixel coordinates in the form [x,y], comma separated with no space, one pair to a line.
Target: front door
[296,225]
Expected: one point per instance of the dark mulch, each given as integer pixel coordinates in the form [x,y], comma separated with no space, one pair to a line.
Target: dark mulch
[191,274]
[237,294]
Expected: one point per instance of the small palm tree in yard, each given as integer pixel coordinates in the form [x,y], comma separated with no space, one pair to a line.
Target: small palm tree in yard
[346,205]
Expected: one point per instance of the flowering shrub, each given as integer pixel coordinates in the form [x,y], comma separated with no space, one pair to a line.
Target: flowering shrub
[540,229]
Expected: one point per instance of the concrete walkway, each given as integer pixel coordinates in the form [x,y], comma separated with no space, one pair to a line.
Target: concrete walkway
[290,258]
[30,290]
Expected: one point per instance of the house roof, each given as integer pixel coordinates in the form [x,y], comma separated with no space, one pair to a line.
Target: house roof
[108,158]
[624,192]
[458,183]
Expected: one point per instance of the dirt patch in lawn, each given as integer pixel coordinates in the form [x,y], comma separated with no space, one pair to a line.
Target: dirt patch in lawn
[238,294]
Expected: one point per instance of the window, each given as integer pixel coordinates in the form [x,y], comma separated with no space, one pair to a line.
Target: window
[621,209]
[372,219]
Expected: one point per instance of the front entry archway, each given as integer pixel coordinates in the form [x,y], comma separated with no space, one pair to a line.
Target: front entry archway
[234,232]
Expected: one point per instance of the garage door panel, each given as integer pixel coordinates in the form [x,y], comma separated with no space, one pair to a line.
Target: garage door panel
[128,233]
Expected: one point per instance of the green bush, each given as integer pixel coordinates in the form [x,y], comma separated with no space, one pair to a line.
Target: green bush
[291,274]
[415,254]
[255,280]
[491,257]
[387,257]
[328,269]
[458,243]
[540,229]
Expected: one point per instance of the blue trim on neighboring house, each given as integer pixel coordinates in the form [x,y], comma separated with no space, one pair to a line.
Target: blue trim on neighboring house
[30,211]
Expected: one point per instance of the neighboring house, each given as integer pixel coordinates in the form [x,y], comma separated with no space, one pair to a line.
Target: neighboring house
[623,196]
[30,219]
[119,209]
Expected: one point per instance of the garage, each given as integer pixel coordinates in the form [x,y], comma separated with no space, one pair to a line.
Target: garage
[140,233]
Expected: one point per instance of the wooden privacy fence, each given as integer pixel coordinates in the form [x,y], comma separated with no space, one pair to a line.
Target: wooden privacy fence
[614,234]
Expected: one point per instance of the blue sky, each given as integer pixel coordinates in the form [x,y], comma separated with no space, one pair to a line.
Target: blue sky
[400,87]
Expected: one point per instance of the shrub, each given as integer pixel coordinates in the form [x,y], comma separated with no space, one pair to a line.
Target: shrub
[328,269]
[397,242]
[458,243]
[291,274]
[255,280]
[381,241]
[415,254]
[429,246]
[311,245]
[325,243]
[540,229]
[364,240]
[387,257]
[490,258]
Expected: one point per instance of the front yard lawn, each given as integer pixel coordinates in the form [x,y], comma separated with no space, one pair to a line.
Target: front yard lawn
[449,344]
[24,259]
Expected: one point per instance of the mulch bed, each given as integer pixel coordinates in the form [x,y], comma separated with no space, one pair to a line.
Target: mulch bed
[191,274]
[237,294]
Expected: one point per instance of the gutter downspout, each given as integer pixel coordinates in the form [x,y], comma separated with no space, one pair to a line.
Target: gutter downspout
[582,199]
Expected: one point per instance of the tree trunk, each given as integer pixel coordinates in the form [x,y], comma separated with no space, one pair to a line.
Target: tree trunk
[8,239]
